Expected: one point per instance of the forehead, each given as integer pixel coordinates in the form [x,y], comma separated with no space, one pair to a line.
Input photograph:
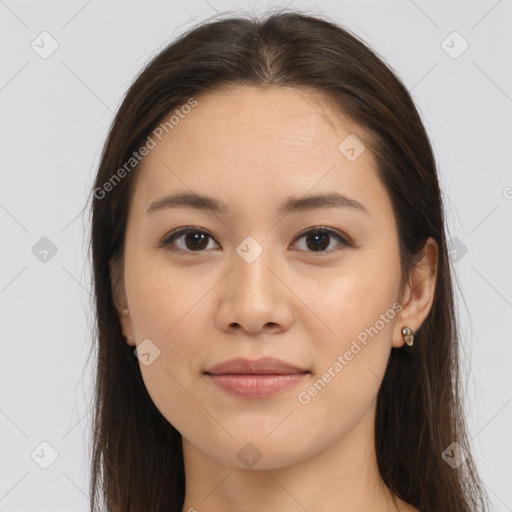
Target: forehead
[239,119]
[251,141]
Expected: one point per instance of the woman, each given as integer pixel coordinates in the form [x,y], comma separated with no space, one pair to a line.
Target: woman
[268,240]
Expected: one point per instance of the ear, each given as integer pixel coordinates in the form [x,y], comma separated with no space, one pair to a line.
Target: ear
[116,265]
[419,293]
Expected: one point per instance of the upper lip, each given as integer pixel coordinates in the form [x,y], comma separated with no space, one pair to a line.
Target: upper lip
[264,365]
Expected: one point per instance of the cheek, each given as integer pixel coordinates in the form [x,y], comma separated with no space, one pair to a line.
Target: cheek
[350,363]
[350,302]
[166,304]
[171,378]
[161,296]
[162,302]
[359,305]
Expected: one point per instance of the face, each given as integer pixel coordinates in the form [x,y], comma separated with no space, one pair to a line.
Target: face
[250,282]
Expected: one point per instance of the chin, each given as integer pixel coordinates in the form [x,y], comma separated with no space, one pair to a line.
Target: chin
[259,453]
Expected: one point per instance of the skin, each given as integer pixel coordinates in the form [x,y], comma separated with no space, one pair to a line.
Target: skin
[253,149]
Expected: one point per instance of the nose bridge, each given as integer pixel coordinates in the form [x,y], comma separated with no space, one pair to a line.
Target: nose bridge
[251,262]
[253,297]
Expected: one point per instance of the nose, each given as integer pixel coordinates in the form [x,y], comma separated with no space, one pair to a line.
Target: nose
[254,297]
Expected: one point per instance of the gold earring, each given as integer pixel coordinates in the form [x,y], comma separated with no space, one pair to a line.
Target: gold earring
[408,335]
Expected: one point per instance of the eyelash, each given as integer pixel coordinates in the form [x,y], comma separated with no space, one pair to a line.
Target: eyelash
[178,233]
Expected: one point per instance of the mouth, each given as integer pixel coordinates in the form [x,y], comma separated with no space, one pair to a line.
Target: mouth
[256,385]
[262,366]
[257,378]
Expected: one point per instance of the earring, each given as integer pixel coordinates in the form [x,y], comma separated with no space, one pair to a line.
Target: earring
[125,311]
[408,335]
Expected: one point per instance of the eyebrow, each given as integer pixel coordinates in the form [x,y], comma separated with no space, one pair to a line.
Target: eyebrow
[290,205]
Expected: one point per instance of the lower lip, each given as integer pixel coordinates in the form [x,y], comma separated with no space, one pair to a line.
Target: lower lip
[256,386]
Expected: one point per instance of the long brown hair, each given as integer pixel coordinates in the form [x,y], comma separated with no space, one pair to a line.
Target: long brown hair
[137,460]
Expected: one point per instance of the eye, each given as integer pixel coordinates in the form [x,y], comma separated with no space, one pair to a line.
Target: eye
[318,239]
[195,240]
[190,239]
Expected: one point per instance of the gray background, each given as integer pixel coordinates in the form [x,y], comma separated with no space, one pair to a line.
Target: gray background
[55,113]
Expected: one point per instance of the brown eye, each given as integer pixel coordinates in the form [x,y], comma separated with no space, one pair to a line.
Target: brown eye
[320,239]
[188,240]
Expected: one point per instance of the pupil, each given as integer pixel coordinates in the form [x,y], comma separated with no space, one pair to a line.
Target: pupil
[323,238]
[195,237]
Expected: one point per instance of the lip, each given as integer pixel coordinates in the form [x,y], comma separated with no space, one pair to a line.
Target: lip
[255,378]
[262,366]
